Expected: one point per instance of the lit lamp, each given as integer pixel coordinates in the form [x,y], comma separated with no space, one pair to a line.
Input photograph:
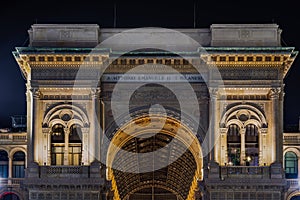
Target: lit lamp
[248,158]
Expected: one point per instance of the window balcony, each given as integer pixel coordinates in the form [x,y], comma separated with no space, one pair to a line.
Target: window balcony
[64,171]
[10,181]
[291,139]
[293,183]
[13,138]
[245,172]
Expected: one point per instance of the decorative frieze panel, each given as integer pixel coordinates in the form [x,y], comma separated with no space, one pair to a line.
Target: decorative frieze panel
[65,74]
[247,74]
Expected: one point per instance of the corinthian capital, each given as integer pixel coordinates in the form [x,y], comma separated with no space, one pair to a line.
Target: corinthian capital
[36,93]
[95,93]
[275,92]
[213,92]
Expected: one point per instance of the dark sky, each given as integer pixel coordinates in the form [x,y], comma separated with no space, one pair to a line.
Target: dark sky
[17,16]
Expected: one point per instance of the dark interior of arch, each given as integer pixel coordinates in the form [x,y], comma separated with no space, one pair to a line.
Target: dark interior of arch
[135,176]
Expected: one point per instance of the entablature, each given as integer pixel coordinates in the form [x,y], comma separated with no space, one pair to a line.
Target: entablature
[230,58]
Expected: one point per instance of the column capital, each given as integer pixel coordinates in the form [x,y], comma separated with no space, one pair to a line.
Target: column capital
[36,93]
[223,130]
[85,130]
[243,131]
[95,93]
[264,131]
[213,92]
[275,93]
[46,131]
[67,131]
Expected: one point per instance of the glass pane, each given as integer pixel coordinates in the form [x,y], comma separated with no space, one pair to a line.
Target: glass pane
[59,159]
[75,134]
[58,134]
[4,171]
[18,171]
[291,165]
[3,156]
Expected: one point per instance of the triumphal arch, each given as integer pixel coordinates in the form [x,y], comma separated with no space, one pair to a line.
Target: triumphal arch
[155,113]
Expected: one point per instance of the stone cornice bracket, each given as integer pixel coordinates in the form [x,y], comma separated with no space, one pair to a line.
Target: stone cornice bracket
[275,93]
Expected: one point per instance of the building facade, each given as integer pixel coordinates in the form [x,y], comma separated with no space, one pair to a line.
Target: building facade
[222,141]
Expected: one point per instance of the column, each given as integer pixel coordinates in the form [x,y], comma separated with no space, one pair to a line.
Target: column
[280,124]
[262,146]
[276,127]
[260,149]
[66,151]
[213,110]
[46,146]
[243,145]
[34,96]
[85,144]
[94,125]
[10,166]
[10,169]
[224,153]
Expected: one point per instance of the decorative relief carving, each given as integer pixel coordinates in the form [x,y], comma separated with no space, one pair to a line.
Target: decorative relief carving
[248,74]
[65,34]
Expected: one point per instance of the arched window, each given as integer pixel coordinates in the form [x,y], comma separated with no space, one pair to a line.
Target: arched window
[18,165]
[234,145]
[251,145]
[75,145]
[295,198]
[57,145]
[291,165]
[3,164]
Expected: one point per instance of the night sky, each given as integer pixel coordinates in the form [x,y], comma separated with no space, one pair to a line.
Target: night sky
[17,16]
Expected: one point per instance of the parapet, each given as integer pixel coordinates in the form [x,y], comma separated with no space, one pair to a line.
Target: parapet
[245,35]
[219,35]
[64,35]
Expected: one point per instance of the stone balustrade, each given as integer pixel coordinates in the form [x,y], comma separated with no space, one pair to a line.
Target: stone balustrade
[11,181]
[245,171]
[291,139]
[11,138]
[293,183]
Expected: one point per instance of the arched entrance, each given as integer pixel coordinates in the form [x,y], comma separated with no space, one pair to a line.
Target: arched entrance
[295,198]
[154,162]
[9,196]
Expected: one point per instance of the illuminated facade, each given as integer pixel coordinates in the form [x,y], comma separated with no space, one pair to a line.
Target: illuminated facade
[66,115]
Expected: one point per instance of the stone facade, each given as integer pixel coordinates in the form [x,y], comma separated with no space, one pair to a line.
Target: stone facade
[233,151]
